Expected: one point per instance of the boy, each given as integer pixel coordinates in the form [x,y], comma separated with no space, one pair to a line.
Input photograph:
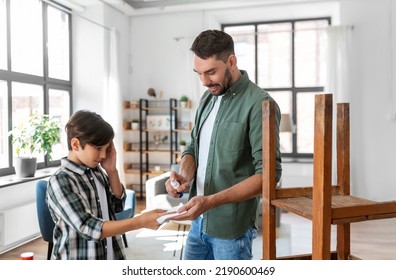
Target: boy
[85,193]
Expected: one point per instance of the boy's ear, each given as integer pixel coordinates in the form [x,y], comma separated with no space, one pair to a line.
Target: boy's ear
[75,144]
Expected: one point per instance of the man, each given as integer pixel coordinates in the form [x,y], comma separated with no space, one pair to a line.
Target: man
[222,165]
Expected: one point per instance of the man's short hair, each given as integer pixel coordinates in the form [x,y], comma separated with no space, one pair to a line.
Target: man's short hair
[213,43]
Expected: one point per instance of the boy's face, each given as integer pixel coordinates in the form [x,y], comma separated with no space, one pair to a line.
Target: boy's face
[90,156]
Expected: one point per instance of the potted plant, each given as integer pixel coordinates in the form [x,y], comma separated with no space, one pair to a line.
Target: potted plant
[182,146]
[183,101]
[37,135]
[135,124]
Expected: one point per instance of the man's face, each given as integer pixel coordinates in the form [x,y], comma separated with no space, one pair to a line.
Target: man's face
[214,74]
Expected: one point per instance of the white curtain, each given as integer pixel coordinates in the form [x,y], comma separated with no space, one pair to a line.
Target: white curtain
[196,89]
[338,61]
[393,60]
[112,103]
[338,76]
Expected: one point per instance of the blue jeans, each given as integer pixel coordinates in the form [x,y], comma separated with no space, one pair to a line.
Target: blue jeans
[200,246]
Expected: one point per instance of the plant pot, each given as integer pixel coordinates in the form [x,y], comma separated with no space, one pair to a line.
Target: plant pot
[183,104]
[25,167]
[182,148]
[135,126]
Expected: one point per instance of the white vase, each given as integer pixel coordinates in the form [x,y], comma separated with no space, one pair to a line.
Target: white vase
[25,167]
[135,126]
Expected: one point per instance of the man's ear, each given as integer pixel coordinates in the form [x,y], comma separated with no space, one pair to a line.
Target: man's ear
[232,61]
[75,144]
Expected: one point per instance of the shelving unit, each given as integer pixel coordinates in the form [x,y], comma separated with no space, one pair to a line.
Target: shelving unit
[131,141]
[161,124]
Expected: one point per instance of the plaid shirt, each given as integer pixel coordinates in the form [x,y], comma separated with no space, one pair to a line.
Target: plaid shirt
[74,205]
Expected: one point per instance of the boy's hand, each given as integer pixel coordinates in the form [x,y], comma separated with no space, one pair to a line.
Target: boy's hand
[149,219]
[109,163]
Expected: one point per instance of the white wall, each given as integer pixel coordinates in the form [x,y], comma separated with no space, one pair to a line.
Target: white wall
[373,132]
[160,43]
[89,56]
[160,54]
[17,195]
[91,43]
[159,61]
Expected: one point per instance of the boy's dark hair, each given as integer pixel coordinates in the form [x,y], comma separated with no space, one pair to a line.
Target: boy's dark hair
[213,42]
[89,128]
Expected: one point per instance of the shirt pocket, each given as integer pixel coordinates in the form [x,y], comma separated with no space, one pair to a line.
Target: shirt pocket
[232,136]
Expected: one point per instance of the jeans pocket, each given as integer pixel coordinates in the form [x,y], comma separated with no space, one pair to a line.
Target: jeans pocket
[253,233]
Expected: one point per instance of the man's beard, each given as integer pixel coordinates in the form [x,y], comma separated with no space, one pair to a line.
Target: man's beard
[226,84]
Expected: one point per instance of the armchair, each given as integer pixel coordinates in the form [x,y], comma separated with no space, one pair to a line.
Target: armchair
[158,198]
[156,195]
[46,223]
[129,210]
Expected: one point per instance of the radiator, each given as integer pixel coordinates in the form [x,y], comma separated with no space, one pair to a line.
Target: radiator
[18,223]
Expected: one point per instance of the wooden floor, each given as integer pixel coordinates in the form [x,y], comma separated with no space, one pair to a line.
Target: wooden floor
[370,240]
[39,246]
[373,240]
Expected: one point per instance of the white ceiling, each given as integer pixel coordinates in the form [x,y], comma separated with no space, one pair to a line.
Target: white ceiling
[141,4]
[144,7]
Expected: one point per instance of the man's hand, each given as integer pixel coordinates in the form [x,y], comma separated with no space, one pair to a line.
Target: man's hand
[195,207]
[184,184]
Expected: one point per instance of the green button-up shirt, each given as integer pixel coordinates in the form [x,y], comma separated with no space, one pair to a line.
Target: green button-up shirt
[235,154]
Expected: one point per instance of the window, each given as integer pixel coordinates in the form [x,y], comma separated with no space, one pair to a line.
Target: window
[35,70]
[288,59]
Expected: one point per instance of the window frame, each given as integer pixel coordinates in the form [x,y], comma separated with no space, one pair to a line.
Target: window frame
[45,81]
[293,89]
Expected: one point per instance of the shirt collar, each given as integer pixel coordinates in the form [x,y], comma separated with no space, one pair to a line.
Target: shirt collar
[80,169]
[240,85]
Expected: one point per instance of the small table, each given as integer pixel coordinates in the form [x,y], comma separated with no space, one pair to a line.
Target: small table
[180,237]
